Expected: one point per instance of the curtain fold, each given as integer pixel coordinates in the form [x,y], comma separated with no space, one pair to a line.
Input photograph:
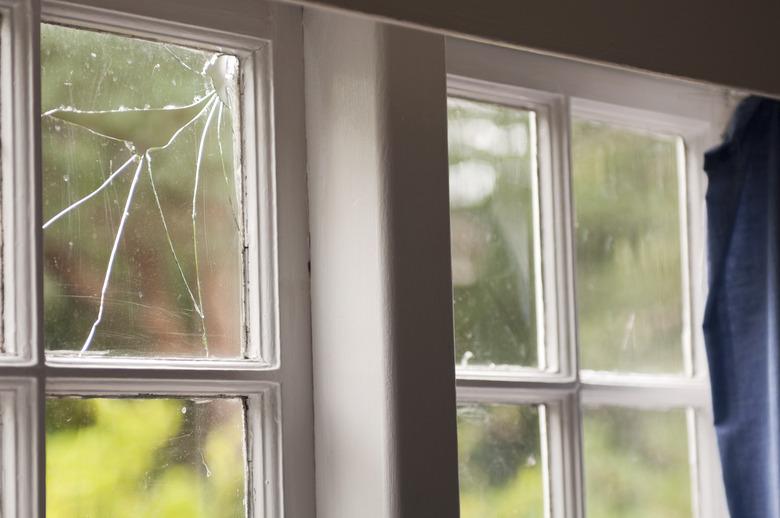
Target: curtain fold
[741,317]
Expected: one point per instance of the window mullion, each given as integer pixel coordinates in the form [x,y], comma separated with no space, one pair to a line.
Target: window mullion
[19,73]
[381,283]
[27,263]
[565,459]
[19,420]
[708,482]
[562,246]
[573,498]
[695,146]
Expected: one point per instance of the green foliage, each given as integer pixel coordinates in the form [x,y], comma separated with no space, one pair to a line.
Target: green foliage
[499,456]
[521,497]
[629,276]
[636,464]
[117,458]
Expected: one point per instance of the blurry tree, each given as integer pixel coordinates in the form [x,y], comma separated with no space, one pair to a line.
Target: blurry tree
[492,234]
[144,457]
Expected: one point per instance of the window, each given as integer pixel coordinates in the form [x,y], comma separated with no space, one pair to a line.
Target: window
[577,264]
[165,360]
[156,337]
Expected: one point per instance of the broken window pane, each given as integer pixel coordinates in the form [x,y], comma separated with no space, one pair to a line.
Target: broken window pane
[636,463]
[500,461]
[143,242]
[145,457]
[492,170]
[629,258]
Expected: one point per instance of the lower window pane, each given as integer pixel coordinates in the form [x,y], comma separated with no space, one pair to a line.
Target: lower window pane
[636,463]
[145,457]
[500,461]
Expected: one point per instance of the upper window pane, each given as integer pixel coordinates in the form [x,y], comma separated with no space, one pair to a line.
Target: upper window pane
[627,223]
[143,241]
[492,192]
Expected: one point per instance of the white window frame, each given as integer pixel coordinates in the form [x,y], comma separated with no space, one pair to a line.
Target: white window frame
[279,421]
[557,90]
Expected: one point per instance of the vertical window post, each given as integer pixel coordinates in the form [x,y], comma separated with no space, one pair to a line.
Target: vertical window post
[381,313]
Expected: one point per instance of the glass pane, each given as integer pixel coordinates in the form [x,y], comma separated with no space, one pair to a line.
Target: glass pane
[629,277]
[636,463]
[500,461]
[145,457]
[492,225]
[141,181]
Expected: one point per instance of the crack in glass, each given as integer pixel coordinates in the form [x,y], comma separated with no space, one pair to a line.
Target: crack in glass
[150,134]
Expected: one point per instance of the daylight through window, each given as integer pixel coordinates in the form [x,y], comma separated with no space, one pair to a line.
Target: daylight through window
[600,412]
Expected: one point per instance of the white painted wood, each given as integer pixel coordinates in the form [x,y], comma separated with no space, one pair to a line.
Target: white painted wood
[19,439]
[295,369]
[20,185]
[23,432]
[381,288]
[596,84]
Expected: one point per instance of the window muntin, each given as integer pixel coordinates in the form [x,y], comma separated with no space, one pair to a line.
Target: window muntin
[627,222]
[147,130]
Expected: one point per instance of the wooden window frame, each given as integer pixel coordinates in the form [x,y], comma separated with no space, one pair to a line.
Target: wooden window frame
[275,378]
[558,90]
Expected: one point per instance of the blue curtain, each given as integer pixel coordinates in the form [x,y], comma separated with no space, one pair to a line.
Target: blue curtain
[741,319]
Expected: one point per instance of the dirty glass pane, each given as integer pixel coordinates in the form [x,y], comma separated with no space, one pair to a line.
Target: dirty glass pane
[492,229]
[500,461]
[627,223]
[145,457]
[141,206]
[636,463]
